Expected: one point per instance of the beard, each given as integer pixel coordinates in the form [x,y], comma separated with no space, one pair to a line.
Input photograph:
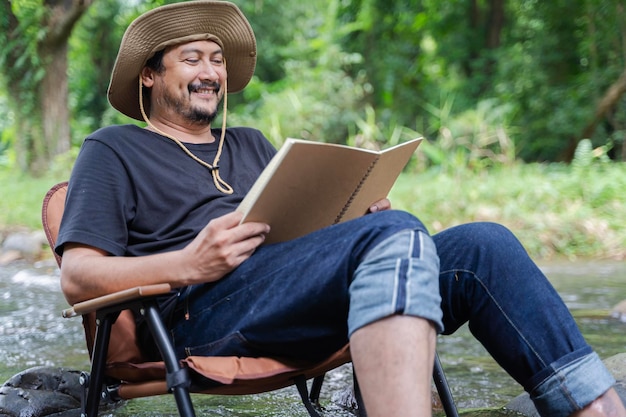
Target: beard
[199,116]
[182,105]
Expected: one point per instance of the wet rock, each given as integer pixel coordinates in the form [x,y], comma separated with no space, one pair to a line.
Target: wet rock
[22,245]
[523,405]
[345,398]
[41,391]
[6,257]
[617,365]
[619,311]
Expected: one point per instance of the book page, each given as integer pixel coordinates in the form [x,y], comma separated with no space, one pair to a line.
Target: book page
[307,184]
[381,178]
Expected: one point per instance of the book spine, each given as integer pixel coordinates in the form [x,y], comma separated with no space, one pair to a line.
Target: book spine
[346,206]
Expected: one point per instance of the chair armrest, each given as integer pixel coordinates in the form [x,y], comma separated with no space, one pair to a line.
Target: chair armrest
[88,306]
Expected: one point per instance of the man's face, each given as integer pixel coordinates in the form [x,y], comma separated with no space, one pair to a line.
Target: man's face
[192,84]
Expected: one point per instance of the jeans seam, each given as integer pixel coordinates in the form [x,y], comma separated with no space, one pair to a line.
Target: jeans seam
[566,392]
[492,298]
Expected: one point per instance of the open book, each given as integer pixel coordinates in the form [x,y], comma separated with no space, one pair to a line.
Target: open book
[311,185]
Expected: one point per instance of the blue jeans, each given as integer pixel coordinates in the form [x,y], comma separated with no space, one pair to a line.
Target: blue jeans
[302,299]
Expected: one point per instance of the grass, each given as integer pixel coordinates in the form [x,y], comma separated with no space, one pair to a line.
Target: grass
[556,210]
[22,195]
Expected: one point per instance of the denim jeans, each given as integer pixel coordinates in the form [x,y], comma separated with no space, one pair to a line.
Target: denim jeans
[303,298]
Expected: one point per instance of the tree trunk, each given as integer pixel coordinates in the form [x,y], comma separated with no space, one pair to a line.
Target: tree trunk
[53,90]
[54,111]
[495,24]
[603,109]
[42,112]
[606,104]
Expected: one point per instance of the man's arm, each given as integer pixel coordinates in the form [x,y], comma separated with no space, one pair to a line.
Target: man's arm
[88,272]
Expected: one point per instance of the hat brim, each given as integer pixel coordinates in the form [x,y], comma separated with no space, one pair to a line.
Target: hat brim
[186,20]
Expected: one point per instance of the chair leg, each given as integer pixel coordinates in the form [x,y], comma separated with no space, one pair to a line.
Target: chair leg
[300,382]
[358,396]
[449,407]
[316,389]
[178,379]
[441,383]
[98,364]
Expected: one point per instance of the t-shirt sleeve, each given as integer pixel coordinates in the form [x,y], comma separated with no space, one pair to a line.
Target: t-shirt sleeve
[99,202]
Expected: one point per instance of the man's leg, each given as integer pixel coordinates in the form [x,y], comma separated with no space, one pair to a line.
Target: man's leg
[608,404]
[393,360]
[488,279]
[303,299]
[394,317]
[374,281]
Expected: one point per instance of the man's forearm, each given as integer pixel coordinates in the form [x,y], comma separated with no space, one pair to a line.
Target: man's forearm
[88,273]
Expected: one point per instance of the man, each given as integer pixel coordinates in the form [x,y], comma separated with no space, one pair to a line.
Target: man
[156,204]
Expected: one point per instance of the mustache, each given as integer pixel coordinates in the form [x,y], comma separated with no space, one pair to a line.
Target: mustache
[204,85]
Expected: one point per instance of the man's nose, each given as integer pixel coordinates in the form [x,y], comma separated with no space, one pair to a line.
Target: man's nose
[208,72]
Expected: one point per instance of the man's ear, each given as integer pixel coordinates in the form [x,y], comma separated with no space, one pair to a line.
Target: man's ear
[147,77]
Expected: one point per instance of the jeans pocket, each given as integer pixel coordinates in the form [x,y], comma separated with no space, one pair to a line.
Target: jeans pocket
[234,344]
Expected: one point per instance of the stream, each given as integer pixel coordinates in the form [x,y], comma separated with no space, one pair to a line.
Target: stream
[32,333]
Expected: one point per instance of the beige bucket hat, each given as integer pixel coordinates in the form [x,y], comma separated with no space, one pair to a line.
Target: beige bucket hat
[172,24]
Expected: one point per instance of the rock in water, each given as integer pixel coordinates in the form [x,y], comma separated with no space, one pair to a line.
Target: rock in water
[523,405]
[619,311]
[41,391]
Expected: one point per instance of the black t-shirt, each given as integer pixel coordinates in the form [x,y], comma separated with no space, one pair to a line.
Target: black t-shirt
[134,192]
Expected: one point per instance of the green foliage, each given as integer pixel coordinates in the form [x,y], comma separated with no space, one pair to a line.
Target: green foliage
[284,32]
[585,156]
[388,35]
[6,131]
[321,106]
[555,88]
[89,74]
[87,87]
[19,60]
[475,139]
[371,71]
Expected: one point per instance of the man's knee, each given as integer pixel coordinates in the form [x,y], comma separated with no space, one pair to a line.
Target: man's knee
[398,276]
[396,220]
[481,240]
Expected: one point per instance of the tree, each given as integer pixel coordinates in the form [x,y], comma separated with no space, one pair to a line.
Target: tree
[608,108]
[33,59]
[90,68]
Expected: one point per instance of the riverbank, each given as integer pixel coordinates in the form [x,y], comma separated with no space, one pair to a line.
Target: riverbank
[557,210]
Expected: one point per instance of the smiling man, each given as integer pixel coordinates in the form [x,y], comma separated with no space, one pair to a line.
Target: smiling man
[182,99]
[157,205]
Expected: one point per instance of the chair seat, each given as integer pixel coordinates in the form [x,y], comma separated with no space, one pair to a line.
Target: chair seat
[232,375]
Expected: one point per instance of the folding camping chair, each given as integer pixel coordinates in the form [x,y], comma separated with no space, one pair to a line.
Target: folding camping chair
[118,371]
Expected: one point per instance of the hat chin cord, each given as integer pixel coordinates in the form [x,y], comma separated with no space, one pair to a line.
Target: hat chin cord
[220,184]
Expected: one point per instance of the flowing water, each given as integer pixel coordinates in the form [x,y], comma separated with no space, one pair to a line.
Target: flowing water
[32,333]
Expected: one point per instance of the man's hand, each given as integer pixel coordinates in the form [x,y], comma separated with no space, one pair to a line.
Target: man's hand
[380,205]
[222,246]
